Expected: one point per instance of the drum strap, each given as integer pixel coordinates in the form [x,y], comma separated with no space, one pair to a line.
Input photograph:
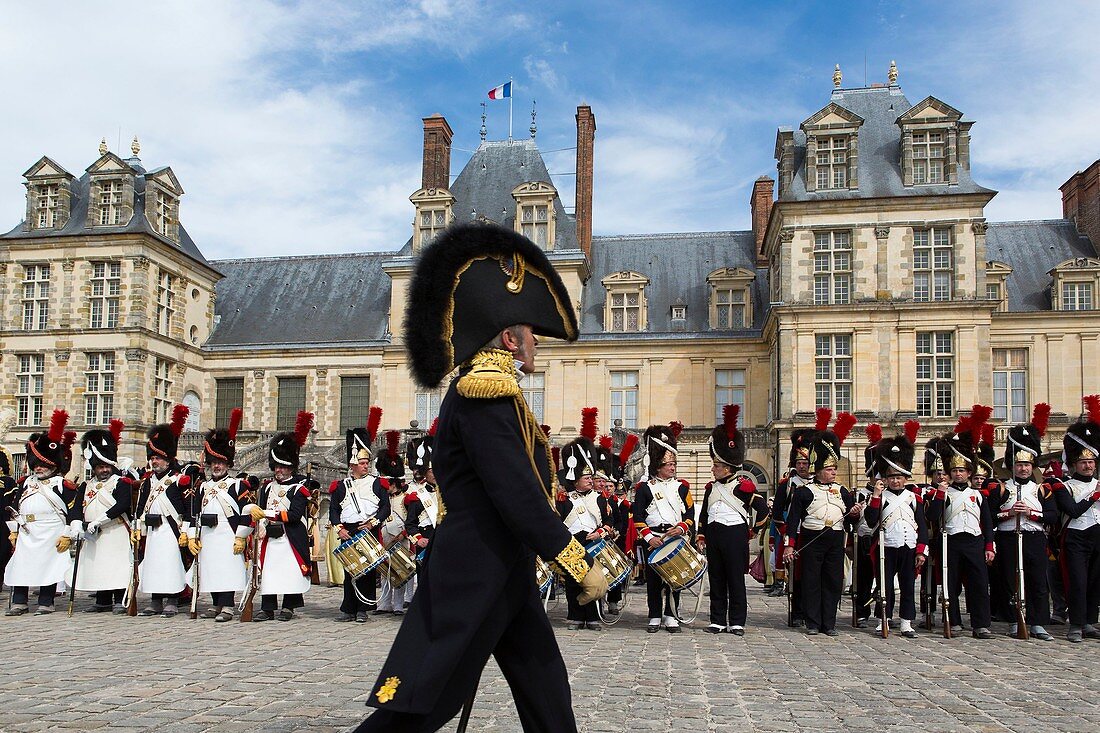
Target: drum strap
[228,505]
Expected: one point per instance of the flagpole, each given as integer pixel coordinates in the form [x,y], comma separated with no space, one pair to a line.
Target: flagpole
[510,95]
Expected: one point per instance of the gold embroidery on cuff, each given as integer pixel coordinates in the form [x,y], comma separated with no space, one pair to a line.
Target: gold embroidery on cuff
[573,560]
[386,692]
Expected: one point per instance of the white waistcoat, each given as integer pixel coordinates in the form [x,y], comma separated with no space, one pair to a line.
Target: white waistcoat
[585,514]
[360,502]
[899,517]
[1029,494]
[964,511]
[826,511]
[1081,490]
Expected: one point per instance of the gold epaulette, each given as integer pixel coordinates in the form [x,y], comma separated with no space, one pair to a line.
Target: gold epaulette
[492,374]
[572,560]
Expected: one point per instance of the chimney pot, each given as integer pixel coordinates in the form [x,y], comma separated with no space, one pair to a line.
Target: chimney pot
[586,136]
[760,209]
[437,152]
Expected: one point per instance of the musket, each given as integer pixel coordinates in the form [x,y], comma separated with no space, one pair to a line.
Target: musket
[854,587]
[195,567]
[1021,600]
[945,596]
[132,590]
[79,542]
[790,591]
[314,510]
[882,574]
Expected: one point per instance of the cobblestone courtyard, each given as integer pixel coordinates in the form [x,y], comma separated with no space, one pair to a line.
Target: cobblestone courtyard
[103,672]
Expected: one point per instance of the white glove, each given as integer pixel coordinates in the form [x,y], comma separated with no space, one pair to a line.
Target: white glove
[76,528]
[20,520]
[93,527]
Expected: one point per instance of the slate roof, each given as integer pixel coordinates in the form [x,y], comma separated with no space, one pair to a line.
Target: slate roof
[322,299]
[677,266]
[1032,249]
[138,224]
[879,151]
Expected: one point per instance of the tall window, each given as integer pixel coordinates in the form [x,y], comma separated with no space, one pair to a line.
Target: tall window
[431,223]
[936,374]
[355,402]
[292,400]
[164,214]
[833,371]
[106,286]
[228,394]
[933,264]
[166,301]
[928,157]
[36,297]
[832,267]
[625,311]
[110,203]
[162,390]
[624,398]
[1076,296]
[534,222]
[832,162]
[729,389]
[427,407]
[534,391]
[47,205]
[99,388]
[29,396]
[1010,385]
[730,305]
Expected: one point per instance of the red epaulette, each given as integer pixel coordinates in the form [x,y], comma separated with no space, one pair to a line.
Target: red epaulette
[333,486]
[68,485]
[746,487]
[410,497]
[304,490]
[685,483]
[184,480]
[385,482]
[562,496]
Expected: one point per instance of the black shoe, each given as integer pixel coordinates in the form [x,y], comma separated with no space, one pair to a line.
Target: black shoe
[909,634]
[832,632]
[398,613]
[812,632]
[982,633]
[862,623]
[285,614]
[575,625]
[652,628]
[736,630]
[714,629]
[380,612]
[263,616]
[673,629]
[97,609]
[344,618]
[593,626]
[361,617]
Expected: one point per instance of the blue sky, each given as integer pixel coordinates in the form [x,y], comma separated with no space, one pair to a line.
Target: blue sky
[294,127]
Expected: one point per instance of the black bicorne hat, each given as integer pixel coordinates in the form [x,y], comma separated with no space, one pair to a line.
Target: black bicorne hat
[418,453]
[474,280]
[800,445]
[163,439]
[657,440]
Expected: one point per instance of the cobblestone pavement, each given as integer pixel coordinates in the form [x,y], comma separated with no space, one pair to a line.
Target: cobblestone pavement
[104,672]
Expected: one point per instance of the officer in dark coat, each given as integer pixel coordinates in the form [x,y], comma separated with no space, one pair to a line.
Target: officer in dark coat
[472,289]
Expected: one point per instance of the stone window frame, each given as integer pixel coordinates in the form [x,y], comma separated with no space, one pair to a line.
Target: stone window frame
[936,357]
[927,153]
[438,205]
[1013,411]
[109,298]
[162,203]
[732,388]
[166,300]
[100,380]
[42,176]
[996,276]
[35,296]
[162,389]
[29,387]
[110,209]
[625,282]
[536,196]
[1075,271]
[731,279]
[945,120]
[848,131]
[618,410]
[933,268]
[833,274]
[834,370]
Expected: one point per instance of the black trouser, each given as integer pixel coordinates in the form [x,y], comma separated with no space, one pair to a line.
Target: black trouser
[222,599]
[291,601]
[105,598]
[1036,589]
[528,656]
[822,578]
[171,599]
[1001,585]
[1057,585]
[864,576]
[46,594]
[367,586]
[901,561]
[1081,559]
[727,562]
[966,557]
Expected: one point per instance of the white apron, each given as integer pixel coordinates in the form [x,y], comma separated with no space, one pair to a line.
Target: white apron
[219,569]
[35,561]
[162,569]
[279,571]
[106,560]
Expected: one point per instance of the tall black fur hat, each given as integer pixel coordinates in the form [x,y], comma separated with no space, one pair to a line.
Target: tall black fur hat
[389,462]
[1082,439]
[894,456]
[48,448]
[286,448]
[474,280]
[100,447]
[658,439]
[1025,442]
[163,439]
[800,445]
[726,443]
[221,443]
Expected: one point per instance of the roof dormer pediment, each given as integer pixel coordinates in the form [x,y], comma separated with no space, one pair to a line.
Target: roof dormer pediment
[46,168]
[1079,264]
[998,268]
[167,179]
[930,109]
[534,188]
[833,115]
[109,163]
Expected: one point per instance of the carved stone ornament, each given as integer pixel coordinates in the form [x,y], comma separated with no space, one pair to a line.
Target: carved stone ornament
[138,355]
[62,356]
[882,232]
[68,265]
[980,227]
[258,374]
[322,373]
[786,236]
[141,263]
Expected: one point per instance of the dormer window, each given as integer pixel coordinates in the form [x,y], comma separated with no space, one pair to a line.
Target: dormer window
[47,205]
[535,217]
[164,214]
[535,223]
[110,203]
[832,137]
[434,213]
[996,284]
[928,157]
[47,195]
[1075,284]
[730,304]
[832,162]
[679,312]
[625,306]
[935,144]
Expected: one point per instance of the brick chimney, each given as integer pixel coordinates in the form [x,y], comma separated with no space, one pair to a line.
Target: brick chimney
[1081,202]
[586,136]
[437,152]
[760,207]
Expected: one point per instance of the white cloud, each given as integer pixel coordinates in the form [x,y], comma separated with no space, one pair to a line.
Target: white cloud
[541,72]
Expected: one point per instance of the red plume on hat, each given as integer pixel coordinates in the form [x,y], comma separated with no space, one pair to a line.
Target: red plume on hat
[979,415]
[1092,406]
[434,427]
[988,431]
[58,420]
[393,437]
[874,432]
[235,418]
[1040,417]
[179,417]
[588,423]
[627,450]
[117,427]
[607,443]
[302,426]
[845,421]
[912,429]
[68,438]
[824,415]
[374,419]
[729,419]
[556,453]
[676,427]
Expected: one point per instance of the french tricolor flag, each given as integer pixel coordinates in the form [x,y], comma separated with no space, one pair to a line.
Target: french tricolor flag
[504,91]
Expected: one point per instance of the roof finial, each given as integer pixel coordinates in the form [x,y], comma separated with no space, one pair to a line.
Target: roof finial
[484,131]
[135,146]
[892,75]
[837,77]
[103,146]
[533,129]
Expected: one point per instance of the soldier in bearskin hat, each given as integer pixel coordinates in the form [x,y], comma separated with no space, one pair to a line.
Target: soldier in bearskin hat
[816,524]
[39,528]
[1078,499]
[101,511]
[423,504]
[164,512]
[863,571]
[896,506]
[798,474]
[221,528]
[968,522]
[7,485]
[359,503]
[479,297]
[663,510]
[1021,504]
[626,535]
[391,477]
[731,515]
[281,509]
